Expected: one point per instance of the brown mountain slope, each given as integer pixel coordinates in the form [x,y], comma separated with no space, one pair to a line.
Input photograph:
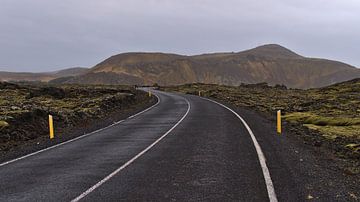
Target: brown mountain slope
[272,63]
[75,71]
[43,76]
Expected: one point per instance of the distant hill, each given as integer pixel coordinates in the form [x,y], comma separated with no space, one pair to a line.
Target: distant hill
[272,63]
[43,76]
[75,71]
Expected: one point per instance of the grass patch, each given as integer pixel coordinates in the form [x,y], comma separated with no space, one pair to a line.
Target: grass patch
[309,118]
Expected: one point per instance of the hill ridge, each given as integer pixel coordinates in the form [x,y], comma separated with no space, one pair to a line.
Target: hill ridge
[42,76]
[271,63]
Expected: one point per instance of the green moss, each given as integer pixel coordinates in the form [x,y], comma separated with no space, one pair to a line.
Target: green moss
[310,118]
[297,116]
[3,124]
[331,132]
[353,147]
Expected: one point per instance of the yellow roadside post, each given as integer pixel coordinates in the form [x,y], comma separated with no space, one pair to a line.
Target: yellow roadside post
[149,93]
[279,122]
[51,127]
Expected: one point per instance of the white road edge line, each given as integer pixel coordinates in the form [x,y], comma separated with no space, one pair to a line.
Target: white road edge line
[82,136]
[261,156]
[97,185]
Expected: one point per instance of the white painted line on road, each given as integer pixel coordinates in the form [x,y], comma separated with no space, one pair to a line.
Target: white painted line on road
[82,136]
[97,185]
[261,156]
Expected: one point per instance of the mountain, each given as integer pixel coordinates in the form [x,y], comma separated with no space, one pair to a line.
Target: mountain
[271,63]
[43,76]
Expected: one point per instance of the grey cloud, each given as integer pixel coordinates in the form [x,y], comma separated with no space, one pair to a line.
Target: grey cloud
[42,35]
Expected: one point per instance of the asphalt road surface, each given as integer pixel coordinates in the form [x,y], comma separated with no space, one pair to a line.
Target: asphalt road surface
[185,148]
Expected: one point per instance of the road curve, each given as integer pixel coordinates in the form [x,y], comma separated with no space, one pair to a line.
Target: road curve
[185,148]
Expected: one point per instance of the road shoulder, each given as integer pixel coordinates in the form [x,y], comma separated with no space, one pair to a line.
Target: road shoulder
[315,173]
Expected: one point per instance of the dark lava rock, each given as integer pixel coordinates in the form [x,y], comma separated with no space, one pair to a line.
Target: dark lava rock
[6,85]
[57,93]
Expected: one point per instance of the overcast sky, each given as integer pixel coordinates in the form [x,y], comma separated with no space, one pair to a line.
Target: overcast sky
[46,35]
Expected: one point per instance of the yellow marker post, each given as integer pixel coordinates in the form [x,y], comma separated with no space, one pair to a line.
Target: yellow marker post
[149,93]
[51,127]
[279,122]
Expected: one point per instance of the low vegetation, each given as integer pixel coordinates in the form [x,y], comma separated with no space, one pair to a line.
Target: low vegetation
[331,114]
[3,124]
[24,109]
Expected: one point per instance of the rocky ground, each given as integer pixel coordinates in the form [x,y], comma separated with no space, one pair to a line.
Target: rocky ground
[76,109]
[326,117]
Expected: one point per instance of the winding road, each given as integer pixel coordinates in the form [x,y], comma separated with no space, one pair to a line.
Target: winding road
[184,148]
